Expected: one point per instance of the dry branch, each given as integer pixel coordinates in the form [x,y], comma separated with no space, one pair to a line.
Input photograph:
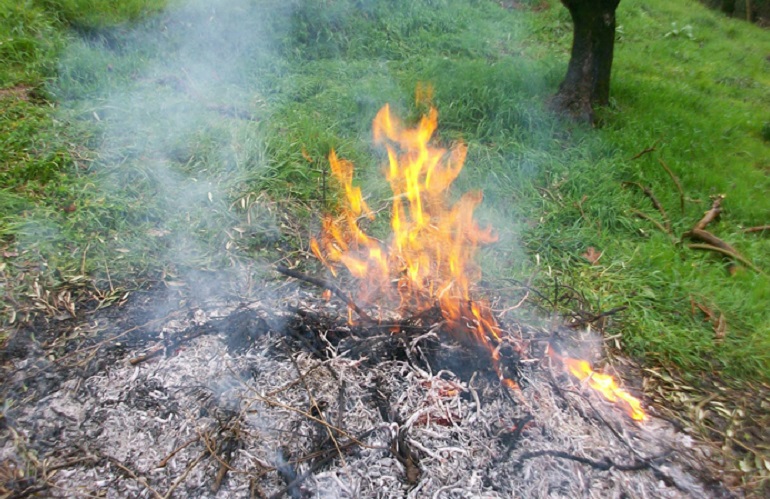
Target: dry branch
[711,214]
[658,206]
[657,224]
[725,252]
[675,179]
[327,285]
[644,151]
[713,243]
[760,228]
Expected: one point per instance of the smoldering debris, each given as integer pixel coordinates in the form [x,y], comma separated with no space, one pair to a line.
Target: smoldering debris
[282,398]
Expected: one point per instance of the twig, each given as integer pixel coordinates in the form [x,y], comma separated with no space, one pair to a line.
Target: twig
[604,465]
[676,182]
[187,471]
[171,346]
[644,151]
[308,416]
[326,285]
[400,449]
[229,446]
[511,439]
[165,460]
[593,318]
[133,475]
[320,463]
[713,243]
[92,349]
[657,224]
[726,252]
[760,228]
[647,192]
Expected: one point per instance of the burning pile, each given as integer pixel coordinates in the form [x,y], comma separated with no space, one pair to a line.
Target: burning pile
[278,395]
[429,259]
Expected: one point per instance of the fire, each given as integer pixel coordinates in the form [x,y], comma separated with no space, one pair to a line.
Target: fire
[428,260]
[604,384]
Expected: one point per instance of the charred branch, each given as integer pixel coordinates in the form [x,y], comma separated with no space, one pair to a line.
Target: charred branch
[327,285]
[604,464]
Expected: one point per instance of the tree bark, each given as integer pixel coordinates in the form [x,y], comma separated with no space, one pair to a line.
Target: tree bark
[728,7]
[587,83]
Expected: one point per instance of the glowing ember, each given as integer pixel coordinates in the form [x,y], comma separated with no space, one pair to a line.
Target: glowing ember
[429,258]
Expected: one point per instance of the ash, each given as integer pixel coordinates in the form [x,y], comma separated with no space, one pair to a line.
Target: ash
[263,405]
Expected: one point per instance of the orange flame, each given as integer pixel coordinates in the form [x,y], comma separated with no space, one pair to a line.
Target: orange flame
[604,384]
[429,258]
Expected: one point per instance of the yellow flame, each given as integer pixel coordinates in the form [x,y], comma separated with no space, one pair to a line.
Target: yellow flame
[429,258]
[604,384]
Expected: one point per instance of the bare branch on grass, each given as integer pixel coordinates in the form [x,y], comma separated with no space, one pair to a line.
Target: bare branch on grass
[655,202]
[678,185]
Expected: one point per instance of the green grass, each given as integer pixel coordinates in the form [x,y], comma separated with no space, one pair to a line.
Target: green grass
[172,166]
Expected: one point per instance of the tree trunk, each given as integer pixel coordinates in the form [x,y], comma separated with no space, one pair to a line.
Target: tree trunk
[728,7]
[588,75]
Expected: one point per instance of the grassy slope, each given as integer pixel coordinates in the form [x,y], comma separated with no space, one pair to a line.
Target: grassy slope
[553,189]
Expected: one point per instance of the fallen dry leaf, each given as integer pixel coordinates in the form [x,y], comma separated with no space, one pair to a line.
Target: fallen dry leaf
[592,255]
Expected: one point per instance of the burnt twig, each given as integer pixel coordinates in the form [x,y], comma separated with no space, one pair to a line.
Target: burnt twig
[511,439]
[326,285]
[229,446]
[206,328]
[603,465]
[165,460]
[289,475]
[591,318]
[184,475]
[403,453]
[142,480]
[318,464]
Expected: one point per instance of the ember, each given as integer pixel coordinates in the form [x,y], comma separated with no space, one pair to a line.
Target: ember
[430,255]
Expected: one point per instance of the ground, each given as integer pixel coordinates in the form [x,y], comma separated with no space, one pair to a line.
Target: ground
[185,149]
